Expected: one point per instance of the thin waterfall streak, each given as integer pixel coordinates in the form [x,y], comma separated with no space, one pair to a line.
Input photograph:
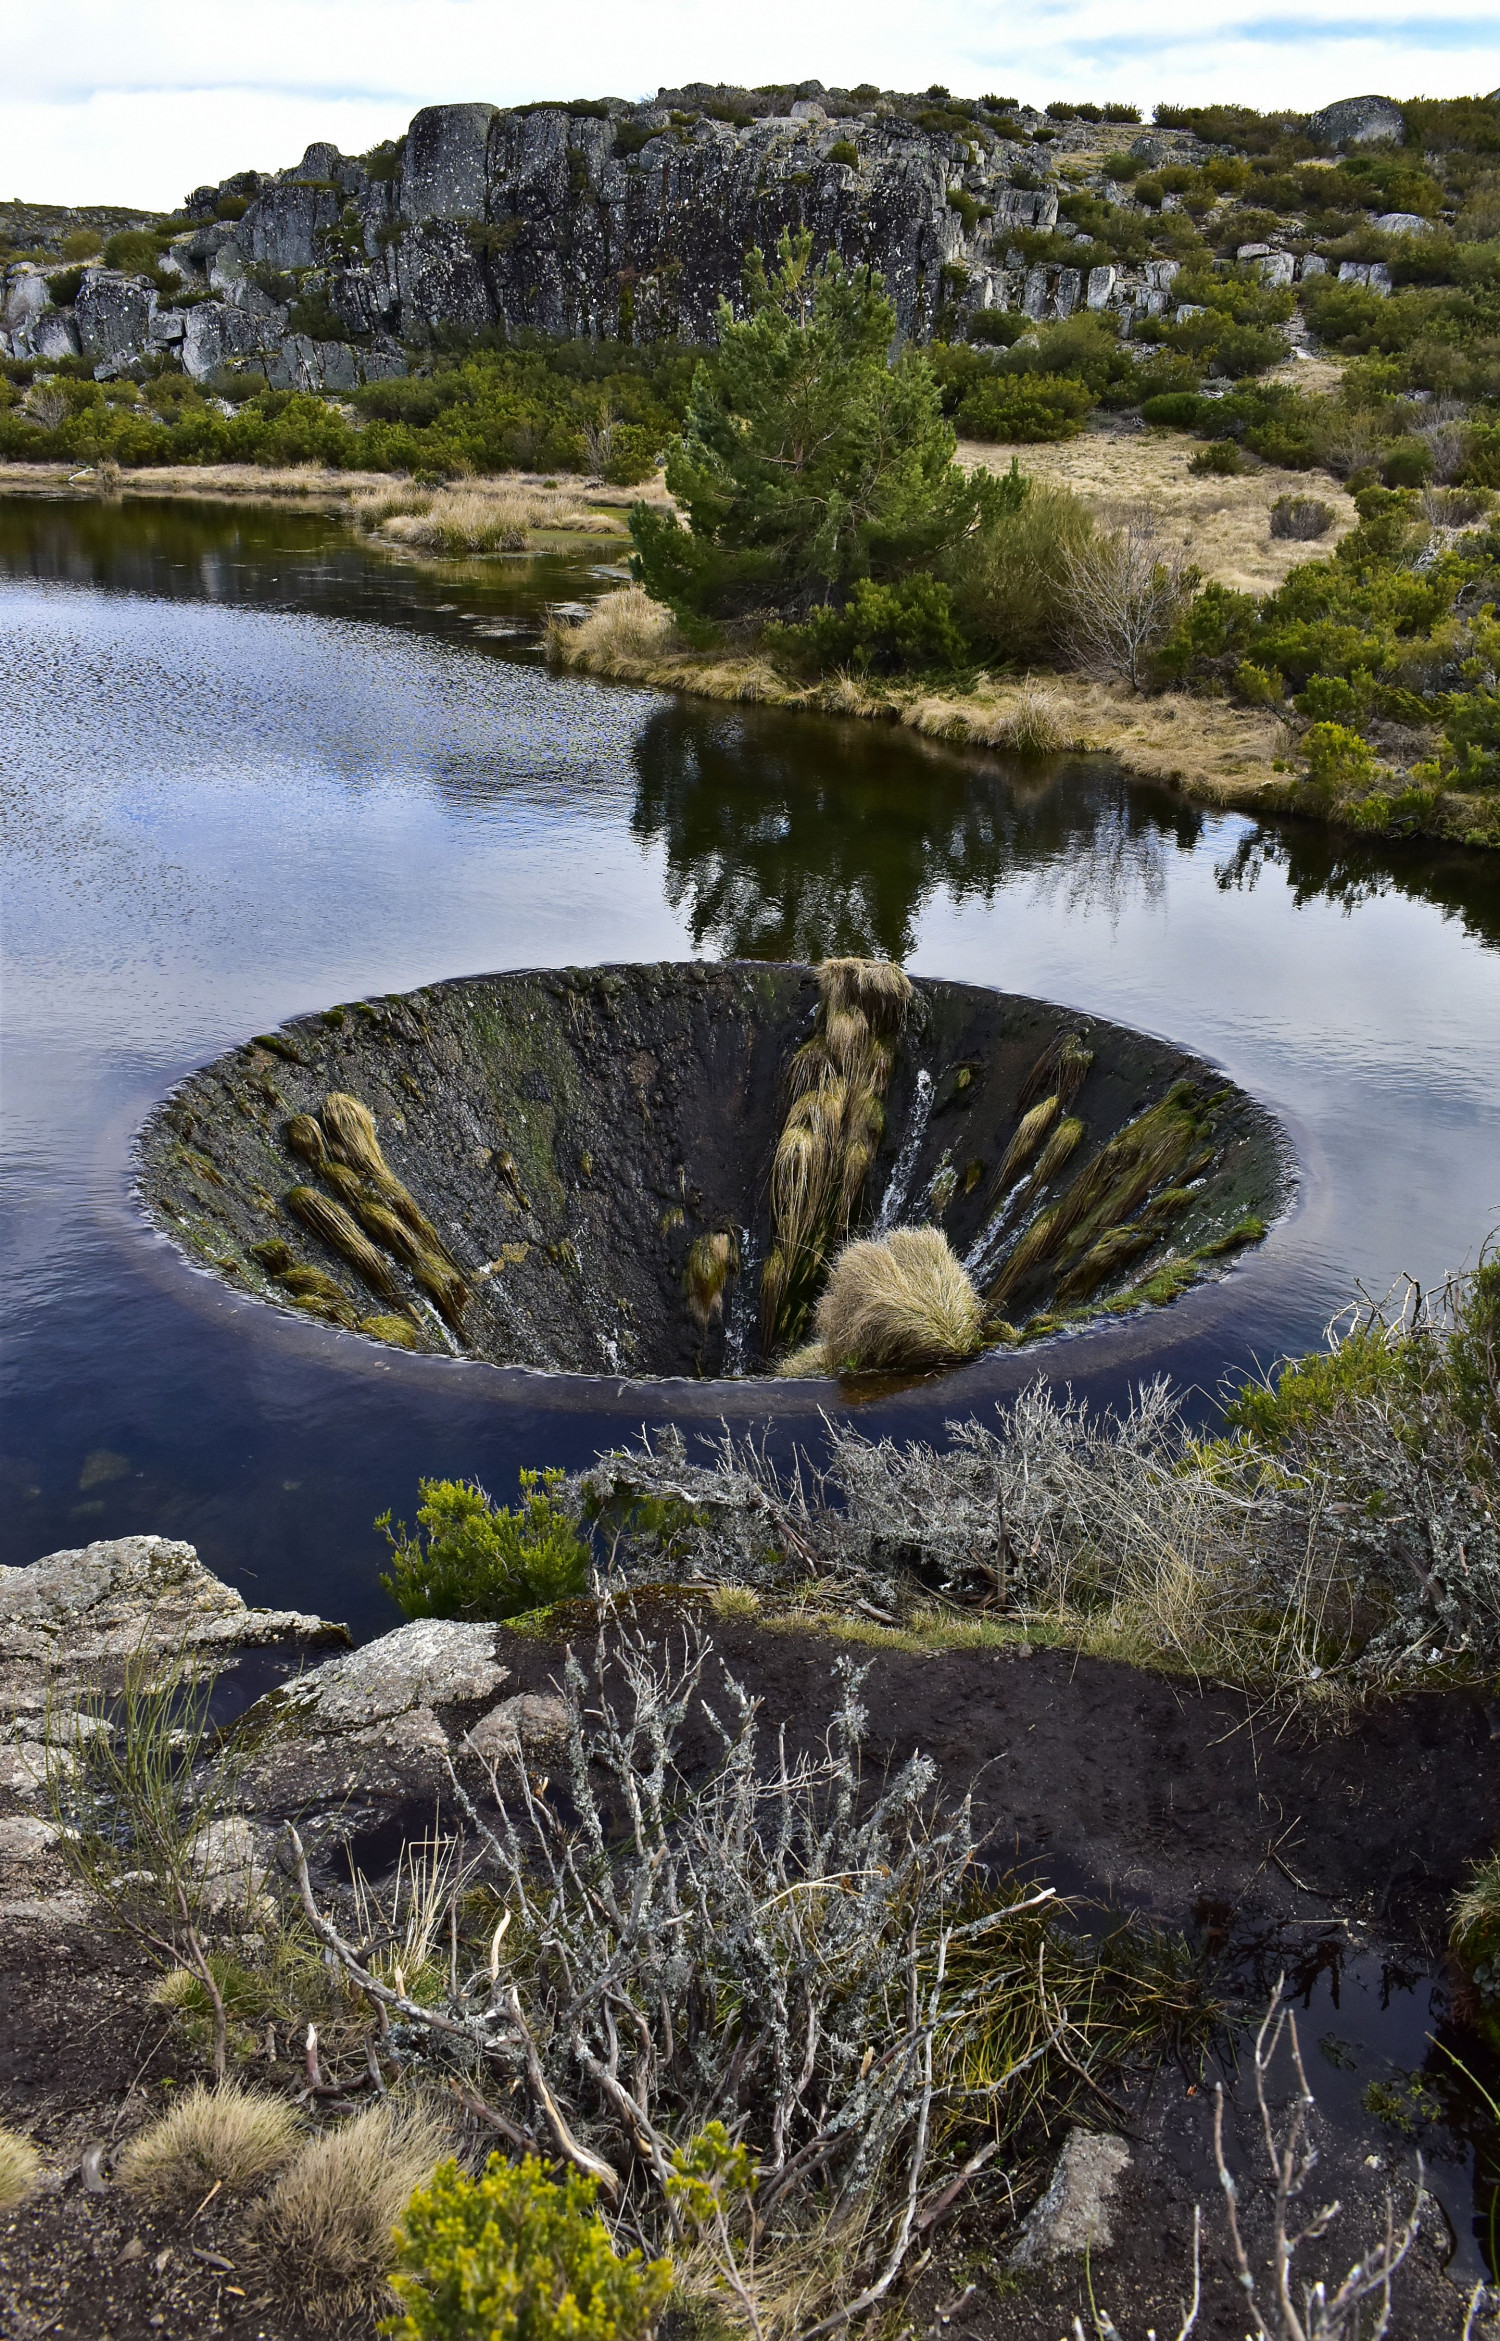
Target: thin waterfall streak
[979,1259]
[893,1201]
[742,1304]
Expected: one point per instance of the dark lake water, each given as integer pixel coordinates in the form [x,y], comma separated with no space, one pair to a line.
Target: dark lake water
[250,769]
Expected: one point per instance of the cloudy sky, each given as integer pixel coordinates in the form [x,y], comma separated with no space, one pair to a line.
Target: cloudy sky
[135,101]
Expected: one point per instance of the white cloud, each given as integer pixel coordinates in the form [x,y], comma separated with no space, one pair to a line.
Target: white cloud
[134,101]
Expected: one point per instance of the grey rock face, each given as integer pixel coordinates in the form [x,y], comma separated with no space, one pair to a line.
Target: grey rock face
[366,1725]
[114,312]
[71,1623]
[438,1660]
[1356,121]
[131,1593]
[213,334]
[55,335]
[1074,2215]
[446,167]
[1403,223]
[630,223]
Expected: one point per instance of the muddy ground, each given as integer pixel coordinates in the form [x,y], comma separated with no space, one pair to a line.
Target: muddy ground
[1271,1841]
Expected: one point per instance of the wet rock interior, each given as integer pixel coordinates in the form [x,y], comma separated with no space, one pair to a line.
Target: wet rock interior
[601,1170]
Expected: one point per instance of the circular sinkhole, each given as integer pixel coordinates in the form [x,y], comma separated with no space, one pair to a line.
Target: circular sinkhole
[666,1170]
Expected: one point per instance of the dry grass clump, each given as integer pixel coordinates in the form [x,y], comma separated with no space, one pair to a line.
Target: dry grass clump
[472,519]
[20,2168]
[620,630]
[226,2134]
[1301,518]
[1036,723]
[326,2228]
[834,1121]
[900,1301]
[344,1149]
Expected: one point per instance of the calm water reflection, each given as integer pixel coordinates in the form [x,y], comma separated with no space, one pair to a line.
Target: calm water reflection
[249,769]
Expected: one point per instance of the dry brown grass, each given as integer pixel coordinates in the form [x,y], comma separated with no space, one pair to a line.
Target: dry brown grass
[901,1301]
[242,482]
[225,2135]
[324,2231]
[1036,722]
[482,516]
[20,2168]
[1222,525]
[621,630]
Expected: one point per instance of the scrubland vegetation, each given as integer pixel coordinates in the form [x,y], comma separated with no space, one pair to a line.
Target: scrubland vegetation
[875,569]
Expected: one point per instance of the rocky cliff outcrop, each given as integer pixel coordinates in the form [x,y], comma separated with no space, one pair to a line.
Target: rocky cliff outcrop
[603,219]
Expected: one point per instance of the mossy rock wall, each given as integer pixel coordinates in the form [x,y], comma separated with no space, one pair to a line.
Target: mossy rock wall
[570,1133]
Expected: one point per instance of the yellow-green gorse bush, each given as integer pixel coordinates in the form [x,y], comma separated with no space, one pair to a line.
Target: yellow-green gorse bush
[518,2256]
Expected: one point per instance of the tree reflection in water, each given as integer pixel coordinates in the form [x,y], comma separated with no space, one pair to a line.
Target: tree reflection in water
[788,842]
[1326,865]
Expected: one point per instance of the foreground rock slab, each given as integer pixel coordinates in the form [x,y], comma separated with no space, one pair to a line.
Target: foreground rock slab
[71,1622]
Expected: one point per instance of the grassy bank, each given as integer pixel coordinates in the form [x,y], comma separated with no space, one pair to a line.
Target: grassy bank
[1217,751]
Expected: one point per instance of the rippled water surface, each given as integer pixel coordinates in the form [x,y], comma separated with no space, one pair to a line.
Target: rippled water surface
[249,769]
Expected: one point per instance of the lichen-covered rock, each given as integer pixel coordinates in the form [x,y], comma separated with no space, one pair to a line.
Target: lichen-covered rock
[366,1726]
[126,1594]
[114,312]
[530,1724]
[1357,121]
[433,1661]
[446,164]
[213,334]
[1074,2215]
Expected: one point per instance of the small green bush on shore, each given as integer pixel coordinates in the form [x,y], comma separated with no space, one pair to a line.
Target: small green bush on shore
[471,1558]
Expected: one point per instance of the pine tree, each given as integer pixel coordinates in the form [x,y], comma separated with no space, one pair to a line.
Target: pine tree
[808,459]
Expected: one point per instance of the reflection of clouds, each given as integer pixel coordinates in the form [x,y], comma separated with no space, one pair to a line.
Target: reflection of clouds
[791,840]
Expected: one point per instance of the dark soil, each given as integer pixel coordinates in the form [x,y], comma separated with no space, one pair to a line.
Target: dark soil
[571,1133]
[1271,1842]
[85,2059]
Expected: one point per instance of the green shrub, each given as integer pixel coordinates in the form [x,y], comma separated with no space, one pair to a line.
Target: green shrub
[63,287]
[518,2256]
[231,207]
[135,250]
[81,244]
[633,454]
[997,326]
[1257,686]
[880,629]
[1307,1392]
[1334,698]
[1025,408]
[1010,578]
[1339,762]
[472,1558]
[1472,725]
[1407,464]
[1181,410]
[1220,459]
[844,150]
